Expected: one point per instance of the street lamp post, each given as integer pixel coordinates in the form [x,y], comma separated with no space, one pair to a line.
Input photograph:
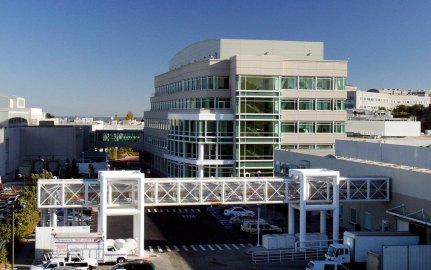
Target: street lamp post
[16,207]
[13,237]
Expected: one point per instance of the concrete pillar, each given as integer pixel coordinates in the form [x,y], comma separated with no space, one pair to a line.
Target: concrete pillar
[139,220]
[200,157]
[336,204]
[102,219]
[291,219]
[302,212]
[43,217]
[53,218]
[200,152]
[323,222]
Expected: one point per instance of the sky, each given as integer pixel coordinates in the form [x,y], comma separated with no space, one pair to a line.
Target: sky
[99,57]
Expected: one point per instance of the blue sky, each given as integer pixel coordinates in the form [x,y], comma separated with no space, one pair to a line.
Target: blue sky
[99,57]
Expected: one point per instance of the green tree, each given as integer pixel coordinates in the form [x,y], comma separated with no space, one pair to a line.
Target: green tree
[43,175]
[129,116]
[91,170]
[403,111]
[116,117]
[3,258]
[49,115]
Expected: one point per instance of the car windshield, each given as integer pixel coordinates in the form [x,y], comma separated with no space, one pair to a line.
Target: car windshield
[331,251]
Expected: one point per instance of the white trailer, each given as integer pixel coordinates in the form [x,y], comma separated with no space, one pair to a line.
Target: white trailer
[88,245]
[356,245]
[413,257]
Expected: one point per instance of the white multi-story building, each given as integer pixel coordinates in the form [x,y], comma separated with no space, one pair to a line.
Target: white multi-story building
[226,104]
[385,98]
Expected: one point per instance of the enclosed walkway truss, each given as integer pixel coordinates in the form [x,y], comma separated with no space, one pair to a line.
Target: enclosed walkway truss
[128,192]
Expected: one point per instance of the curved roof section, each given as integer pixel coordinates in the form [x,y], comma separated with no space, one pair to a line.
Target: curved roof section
[226,48]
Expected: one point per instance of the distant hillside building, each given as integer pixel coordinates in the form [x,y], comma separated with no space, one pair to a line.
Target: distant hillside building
[375,99]
[226,104]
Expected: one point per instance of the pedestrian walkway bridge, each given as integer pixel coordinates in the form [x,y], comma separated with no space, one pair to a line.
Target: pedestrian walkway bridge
[122,190]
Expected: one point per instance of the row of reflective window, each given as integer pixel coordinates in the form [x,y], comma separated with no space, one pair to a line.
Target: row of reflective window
[313,104]
[312,127]
[199,83]
[290,83]
[270,83]
[396,101]
[250,105]
[118,137]
[192,103]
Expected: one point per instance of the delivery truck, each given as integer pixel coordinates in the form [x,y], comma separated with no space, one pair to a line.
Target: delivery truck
[356,245]
[89,245]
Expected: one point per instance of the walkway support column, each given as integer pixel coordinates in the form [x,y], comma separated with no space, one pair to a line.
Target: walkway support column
[323,222]
[303,212]
[291,219]
[200,158]
[139,220]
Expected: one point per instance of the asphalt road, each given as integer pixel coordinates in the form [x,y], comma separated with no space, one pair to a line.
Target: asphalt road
[186,238]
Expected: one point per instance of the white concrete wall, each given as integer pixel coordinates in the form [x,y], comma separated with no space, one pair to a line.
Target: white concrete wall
[415,156]
[385,128]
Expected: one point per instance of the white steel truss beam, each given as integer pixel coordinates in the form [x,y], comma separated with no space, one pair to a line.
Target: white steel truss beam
[81,193]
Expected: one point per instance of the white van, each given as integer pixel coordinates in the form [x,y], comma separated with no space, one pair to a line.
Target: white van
[325,265]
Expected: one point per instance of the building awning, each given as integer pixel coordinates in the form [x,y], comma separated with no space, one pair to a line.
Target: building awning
[419,216]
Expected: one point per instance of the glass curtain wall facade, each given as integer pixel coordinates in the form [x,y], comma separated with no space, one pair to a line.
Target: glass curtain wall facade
[200,140]
[257,125]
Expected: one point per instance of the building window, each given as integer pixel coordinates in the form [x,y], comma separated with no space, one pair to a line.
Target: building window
[353,219]
[306,104]
[289,127]
[339,105]
[306,83]
[306,127]
[257,83]
[340,84]
[368,221]
[339,127]
[324,83]
[323,127]
[289,83]
[323,105]
[290,104]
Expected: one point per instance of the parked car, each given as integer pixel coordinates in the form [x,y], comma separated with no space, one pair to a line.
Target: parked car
[238,220]
[134,265]
[237,211]
[323,265]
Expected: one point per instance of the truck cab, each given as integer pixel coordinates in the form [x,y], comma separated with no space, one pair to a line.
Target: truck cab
[338,253]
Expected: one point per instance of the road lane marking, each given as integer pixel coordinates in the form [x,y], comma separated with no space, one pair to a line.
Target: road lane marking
[168,249]
[227,246]
[176,248]
[159,249]
[151,248]
[210,247]
[193,247]
[185,248]
[235,246]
